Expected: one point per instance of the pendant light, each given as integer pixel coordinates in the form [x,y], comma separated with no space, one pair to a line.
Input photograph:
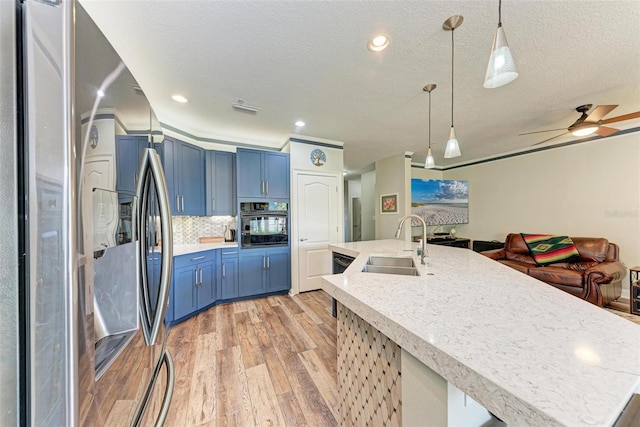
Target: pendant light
[452,149]
[429,162]
[502,68]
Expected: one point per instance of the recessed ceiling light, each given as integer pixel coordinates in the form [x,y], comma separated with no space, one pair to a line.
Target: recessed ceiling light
[378,43]
[100,93]
[179,98]
[300,123]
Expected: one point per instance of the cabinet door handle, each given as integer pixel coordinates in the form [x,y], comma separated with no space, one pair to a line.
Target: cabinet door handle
[261,187]
[177,203]
[268,262]
[196,258]
[302,239]
[224,271]
[264,262]
[229,253]
[182,202]
[213,204]
[195,279]
[266,186]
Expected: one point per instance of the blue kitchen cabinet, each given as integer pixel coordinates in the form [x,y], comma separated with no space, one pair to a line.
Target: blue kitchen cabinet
[229,275]
[220,183]
[276,170]
[184,292]
[264,271]
[129,150]
[252,273]
[194,284]
[249,175]
[262,174]
[278,270]
[185,175]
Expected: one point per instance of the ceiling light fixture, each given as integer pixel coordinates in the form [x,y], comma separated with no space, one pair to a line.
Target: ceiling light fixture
[453,148]
[300,123]
[502,68]
[179,98]
[378,43]
[584,129]
[240,105]
[429,162]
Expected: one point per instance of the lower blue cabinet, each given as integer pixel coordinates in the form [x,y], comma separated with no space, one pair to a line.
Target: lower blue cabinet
[264,271]
[194,284]
[253,264]
[202,279]
[229,275]
[278,271]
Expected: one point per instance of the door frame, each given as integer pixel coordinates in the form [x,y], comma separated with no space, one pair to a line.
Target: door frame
[294,210]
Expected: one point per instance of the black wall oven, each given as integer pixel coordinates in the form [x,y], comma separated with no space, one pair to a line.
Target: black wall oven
[264,224]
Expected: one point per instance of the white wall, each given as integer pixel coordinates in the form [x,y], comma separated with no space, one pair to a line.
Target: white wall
[590,189]
[353,189]
[393,176]
[368,200]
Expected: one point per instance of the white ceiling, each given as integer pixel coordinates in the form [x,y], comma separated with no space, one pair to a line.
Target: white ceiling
[308,60]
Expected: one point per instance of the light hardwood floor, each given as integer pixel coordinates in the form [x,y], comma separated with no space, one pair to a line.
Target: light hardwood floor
[264,362]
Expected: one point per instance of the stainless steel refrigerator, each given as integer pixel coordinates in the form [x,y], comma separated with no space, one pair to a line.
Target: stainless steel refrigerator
[86,237]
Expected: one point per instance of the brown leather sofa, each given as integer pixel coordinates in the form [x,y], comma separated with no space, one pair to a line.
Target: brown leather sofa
[595,277]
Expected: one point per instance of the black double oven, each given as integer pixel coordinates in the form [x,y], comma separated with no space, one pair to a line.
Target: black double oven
[263,224]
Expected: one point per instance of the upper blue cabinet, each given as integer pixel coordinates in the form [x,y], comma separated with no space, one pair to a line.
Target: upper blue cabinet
[220,183]
[129,149]
[185,174]
[262,174]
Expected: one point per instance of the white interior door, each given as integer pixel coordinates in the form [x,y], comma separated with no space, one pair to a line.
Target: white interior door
[317,226]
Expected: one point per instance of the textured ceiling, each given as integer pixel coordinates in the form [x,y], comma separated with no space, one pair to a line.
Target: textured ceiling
[308,60]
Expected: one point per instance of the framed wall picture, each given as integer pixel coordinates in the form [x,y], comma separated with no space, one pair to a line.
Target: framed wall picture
[389,203]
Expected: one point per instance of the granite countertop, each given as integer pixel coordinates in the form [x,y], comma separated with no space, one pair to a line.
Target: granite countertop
[528,352]
[199,247]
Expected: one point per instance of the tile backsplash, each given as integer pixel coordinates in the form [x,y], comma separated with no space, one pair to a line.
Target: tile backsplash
[187,229]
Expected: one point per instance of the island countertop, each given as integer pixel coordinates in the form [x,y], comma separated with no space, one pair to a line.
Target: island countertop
[528,352]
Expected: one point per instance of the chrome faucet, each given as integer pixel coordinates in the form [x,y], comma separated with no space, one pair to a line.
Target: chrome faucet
[424,233]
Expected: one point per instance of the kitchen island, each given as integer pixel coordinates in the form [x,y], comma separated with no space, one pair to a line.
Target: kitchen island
[526,351]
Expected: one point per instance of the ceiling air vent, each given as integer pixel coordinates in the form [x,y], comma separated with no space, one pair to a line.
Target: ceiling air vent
[240,105]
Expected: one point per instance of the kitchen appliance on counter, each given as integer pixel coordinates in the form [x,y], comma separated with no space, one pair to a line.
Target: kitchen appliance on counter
[93,207]
[264,224]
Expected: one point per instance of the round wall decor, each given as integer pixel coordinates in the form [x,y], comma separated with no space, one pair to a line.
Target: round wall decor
[318,157]
[93,136]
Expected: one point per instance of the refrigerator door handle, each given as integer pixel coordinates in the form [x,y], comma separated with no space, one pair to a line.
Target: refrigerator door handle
[168,393]
[151,170]
[167,361]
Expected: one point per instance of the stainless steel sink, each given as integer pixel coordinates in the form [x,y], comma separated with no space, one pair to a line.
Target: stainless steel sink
[405,271]
[391,265]
[391,261]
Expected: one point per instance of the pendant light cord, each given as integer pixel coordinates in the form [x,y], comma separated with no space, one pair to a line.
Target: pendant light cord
[452,47]
[499,13]
[430,119]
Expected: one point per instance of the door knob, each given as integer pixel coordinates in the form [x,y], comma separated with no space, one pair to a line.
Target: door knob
[302,239]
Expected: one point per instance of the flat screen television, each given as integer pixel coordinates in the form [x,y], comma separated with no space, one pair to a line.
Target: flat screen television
[440,201]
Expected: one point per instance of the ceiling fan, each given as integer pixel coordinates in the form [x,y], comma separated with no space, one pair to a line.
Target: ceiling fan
[591,123]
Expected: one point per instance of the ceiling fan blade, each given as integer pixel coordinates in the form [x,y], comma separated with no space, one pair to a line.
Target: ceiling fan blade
[599,112]
[629,116]
[557,136]
[606,131]
[541,131]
